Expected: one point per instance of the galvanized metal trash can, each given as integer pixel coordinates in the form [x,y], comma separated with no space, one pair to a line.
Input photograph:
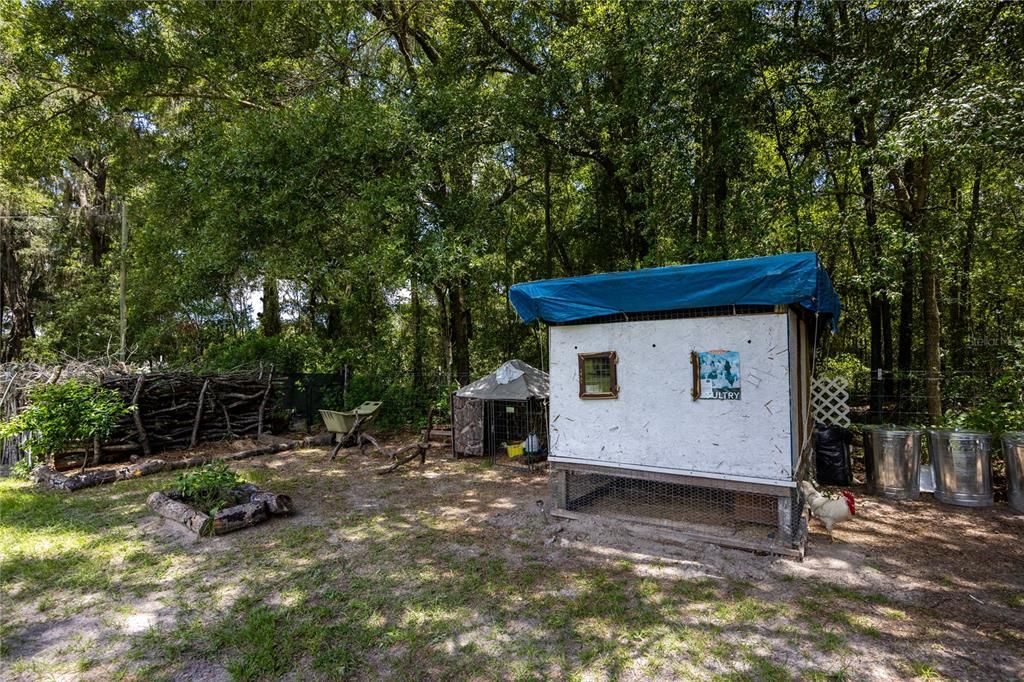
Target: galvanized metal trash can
[1013,451]
[893,461]
[963,472]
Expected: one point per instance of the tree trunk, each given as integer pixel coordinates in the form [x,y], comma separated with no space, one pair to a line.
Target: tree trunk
[444,325]
[270,318]
[960,309]
[905,348]
[417,336]
[461,332]
[932,337]
[721,189]
[548,246]
[15,294]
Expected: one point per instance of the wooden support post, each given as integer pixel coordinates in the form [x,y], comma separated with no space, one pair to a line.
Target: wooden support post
[263,403]
[199,414]
[558,486]
[137,416]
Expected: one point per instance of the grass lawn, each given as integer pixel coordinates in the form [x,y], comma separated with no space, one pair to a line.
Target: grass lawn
[450,571]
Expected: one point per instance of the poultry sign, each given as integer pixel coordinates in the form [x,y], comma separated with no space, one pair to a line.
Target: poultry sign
[719,375]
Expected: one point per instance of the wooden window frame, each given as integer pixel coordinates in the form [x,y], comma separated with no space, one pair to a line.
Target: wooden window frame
[613,363]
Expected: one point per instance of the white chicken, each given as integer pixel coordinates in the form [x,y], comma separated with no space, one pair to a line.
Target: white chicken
[829,510]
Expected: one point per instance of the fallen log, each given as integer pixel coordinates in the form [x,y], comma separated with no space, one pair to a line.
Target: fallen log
[276,504]
[172,509]
[150,466]
[238,517]
[54,479]
[421,448]
[89,479]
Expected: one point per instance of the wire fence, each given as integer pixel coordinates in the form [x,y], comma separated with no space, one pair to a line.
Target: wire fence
[406,398]
[902,397]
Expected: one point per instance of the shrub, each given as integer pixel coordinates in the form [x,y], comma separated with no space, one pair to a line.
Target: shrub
[59,416]
[844,365]
[22,469]
[1001,410]
[208,487]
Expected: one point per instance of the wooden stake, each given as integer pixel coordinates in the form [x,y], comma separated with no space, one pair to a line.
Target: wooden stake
[263,403]
[137,416]
[199,414]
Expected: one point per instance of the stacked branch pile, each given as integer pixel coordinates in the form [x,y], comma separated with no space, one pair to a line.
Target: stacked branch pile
[171,409]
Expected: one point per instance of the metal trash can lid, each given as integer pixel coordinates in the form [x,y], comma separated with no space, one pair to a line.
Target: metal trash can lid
[1015,437]
[894,430]
[961,434]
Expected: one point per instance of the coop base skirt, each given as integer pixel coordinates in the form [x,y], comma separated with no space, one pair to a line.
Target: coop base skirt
[756,518]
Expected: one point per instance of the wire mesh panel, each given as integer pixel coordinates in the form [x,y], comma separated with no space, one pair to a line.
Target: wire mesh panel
[684,313]
[712,510]
[509,424]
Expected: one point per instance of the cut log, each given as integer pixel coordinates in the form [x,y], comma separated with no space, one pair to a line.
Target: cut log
[172,509]
[150,466]
[238,517]
[88,480]
[49,477]
[276,504]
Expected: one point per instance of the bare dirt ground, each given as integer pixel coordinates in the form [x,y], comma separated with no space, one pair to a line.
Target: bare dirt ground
[452,571]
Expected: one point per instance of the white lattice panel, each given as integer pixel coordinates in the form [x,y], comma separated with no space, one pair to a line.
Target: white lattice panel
[830,401]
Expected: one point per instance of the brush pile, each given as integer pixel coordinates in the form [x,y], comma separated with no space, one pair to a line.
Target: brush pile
[172,409]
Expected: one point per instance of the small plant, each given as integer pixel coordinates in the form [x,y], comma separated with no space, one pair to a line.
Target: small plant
[23,469]
[209,487]
[60,416]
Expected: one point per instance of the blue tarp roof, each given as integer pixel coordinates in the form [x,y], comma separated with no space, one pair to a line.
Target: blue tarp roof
[789,278]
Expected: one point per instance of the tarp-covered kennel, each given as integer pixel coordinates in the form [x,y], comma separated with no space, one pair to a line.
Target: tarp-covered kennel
[506,406]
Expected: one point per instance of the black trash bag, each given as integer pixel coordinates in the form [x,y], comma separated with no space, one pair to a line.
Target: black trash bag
[832,454]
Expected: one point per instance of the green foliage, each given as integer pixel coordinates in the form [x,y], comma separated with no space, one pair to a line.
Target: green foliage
[208,487]
[845,365]
[289,353]
[1002,408]
[392,184]
[61,415]
[993,405]
[22,469]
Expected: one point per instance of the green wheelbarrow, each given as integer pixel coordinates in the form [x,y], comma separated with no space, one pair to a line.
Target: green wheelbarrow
[347,427]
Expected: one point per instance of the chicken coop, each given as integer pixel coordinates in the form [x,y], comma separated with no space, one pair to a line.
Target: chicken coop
[680,396]
[503,416]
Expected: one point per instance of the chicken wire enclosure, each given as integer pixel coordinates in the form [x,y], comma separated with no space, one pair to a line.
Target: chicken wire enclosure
[503,416]
[751,517]
[508,423]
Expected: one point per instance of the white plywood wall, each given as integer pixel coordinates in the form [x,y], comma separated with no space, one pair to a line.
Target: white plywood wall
[655,424]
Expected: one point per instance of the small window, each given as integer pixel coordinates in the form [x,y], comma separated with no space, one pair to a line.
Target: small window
[597,375]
